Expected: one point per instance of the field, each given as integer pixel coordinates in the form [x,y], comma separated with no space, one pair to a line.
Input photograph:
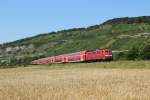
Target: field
[124,80]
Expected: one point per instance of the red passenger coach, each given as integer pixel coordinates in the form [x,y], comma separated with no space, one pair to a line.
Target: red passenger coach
[82,56]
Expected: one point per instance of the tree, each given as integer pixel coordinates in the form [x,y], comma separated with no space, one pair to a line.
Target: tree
[133,53]
[145,54]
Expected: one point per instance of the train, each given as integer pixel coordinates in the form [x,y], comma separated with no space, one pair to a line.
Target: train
[82,56]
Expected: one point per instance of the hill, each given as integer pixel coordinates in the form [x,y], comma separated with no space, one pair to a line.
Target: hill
[117,34]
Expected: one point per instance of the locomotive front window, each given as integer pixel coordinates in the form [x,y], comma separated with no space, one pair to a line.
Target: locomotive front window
[110,51]
[106,51]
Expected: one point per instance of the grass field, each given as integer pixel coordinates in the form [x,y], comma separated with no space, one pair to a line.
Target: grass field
[122,80]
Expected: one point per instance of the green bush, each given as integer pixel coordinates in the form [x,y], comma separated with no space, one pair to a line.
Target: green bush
[141,52]
[133,53]
[119,56]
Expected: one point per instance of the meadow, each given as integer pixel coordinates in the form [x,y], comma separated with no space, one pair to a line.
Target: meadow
[122,80]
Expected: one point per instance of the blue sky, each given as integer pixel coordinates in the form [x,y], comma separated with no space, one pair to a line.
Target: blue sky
[25,18]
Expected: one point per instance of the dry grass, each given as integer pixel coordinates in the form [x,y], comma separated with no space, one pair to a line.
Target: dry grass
[36,83]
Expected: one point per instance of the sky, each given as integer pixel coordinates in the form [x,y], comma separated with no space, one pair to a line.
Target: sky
[25,18]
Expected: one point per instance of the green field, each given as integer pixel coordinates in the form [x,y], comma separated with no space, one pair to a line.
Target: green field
[122,80]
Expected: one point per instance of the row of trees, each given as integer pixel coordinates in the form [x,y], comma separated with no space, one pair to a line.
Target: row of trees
[129,20]
[139,52]
[14,62]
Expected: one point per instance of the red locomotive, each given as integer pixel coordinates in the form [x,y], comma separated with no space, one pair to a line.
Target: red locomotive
[82,56]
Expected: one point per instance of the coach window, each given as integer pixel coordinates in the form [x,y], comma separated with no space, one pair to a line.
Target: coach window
[99,52]
[93,52]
